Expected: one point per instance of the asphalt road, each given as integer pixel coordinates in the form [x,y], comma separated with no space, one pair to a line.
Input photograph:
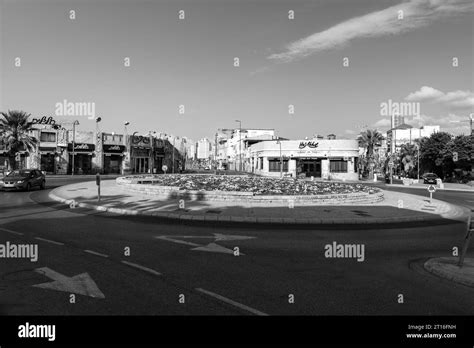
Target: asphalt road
[144,266]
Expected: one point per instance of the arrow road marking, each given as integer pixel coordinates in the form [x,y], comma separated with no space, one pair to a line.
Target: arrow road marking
[211,247]
[81,284]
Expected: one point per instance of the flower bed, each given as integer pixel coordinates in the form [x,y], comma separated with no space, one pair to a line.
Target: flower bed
[249,184]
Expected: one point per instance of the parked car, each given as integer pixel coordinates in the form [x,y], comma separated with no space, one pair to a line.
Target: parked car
[430,178]
[24,179]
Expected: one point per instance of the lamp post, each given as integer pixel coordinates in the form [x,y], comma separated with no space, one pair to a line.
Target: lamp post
[418,161]
[172,156]
[240,144]
[74,124]
[281,160]
[97,120]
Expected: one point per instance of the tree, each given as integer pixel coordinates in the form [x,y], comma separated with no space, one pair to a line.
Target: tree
[461,144]
[15,129]
[369,139]
[433,152]
[407,159]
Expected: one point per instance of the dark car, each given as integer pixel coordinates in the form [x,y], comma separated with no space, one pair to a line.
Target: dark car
[430,178]
[23,180]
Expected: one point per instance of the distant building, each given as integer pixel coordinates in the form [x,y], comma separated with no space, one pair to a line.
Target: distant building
[406,134]
[397,120]
[204,149]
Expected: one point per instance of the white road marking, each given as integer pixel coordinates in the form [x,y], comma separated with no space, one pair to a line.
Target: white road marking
[81,284]
[229,301]
[49,241]
[95,253]
[211,247]
[10,231]
[143,268]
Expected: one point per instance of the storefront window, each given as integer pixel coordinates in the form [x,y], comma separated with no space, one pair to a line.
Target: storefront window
[274,165]
[338,166]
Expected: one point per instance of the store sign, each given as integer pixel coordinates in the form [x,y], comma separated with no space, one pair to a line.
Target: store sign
[81,147]
[113,148]
[47,121]
[310,144]
[140,139]
[44,120]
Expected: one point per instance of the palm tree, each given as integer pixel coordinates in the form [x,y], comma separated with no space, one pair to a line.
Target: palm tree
[15,129]
[368,139]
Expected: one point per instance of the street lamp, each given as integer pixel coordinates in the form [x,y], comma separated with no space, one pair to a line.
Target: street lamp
[240,144]
[75,123]
[418,160]
[281,160]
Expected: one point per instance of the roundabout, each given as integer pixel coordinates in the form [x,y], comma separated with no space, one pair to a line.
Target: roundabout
[249,189]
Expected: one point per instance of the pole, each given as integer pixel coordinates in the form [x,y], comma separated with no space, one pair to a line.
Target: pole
[466,242]
[418,165]
[215,154]
[240,146]
[172,157]
[281,162]
[73,145]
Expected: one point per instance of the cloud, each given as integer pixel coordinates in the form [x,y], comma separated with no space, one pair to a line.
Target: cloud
[451,100]
[448,122]
[424,94]
[382,123]
[416,14]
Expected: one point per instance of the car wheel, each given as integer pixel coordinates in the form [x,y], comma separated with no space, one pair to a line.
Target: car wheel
[28,187]
[43,184]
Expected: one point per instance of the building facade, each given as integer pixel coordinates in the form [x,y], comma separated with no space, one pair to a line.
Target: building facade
[325,159]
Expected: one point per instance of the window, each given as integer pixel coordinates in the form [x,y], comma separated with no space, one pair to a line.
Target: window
[260,162]
[274,165]
[48,137]
[338,166]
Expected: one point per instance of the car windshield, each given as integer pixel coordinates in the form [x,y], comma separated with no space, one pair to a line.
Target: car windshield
[20,173]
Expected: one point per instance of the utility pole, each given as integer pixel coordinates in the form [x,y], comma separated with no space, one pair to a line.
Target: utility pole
[240,144]
[215,153]
[75,123]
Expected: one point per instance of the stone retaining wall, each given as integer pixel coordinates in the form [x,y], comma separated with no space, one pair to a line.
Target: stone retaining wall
[145,186]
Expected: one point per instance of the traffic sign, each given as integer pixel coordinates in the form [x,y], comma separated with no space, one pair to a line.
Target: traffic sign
[431,189]
[164,168]
[455,157]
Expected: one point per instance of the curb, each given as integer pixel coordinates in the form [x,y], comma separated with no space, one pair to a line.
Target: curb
[424,188]
[433,266]
[258,220]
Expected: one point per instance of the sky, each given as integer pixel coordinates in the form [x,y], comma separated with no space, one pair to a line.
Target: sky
[282,62]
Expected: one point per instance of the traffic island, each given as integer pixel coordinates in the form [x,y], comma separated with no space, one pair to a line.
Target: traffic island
[448,268]
[395,208]
[249,189]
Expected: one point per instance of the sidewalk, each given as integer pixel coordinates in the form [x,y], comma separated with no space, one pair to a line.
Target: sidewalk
[116,199]
[447,187]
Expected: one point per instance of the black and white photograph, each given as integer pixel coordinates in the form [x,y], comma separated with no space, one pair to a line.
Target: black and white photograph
[236,171]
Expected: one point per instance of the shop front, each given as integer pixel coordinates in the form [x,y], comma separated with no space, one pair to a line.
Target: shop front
[325,159]
[81,157]
[48,159]
[113,158]
[141,160]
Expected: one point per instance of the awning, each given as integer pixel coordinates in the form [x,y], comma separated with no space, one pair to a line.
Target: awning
[81,153]
[113,154]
